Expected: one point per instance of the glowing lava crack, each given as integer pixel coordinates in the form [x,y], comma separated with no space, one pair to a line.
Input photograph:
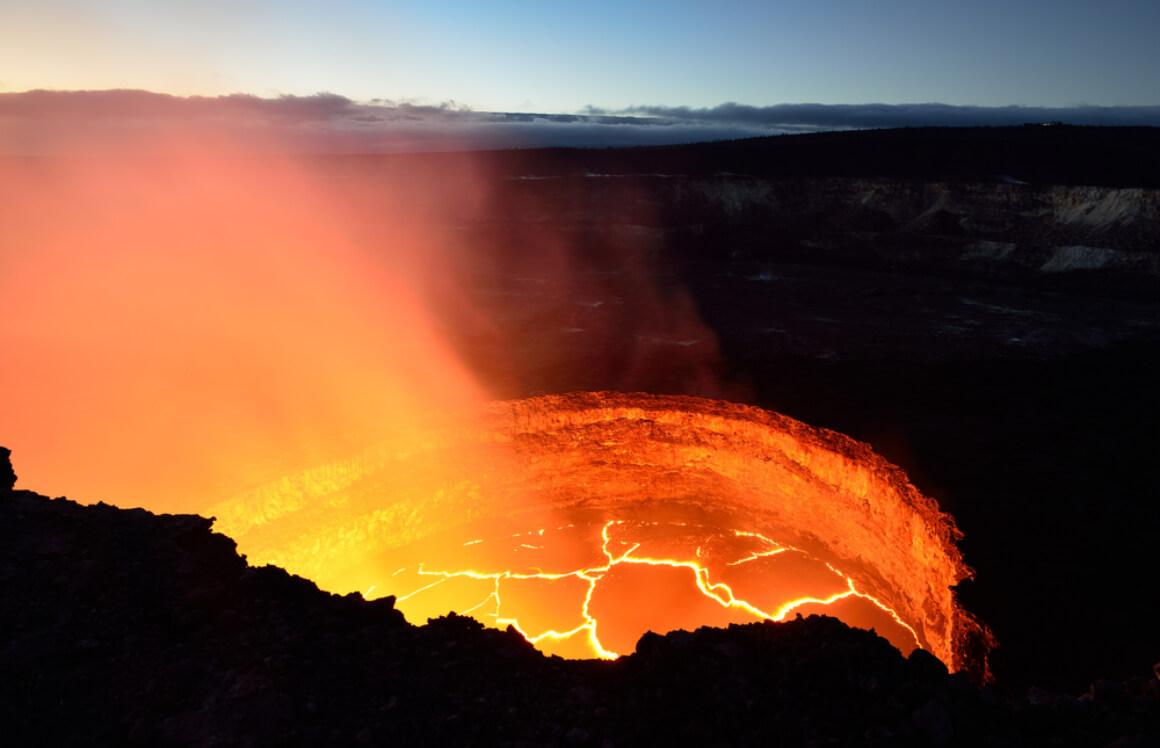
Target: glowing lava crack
[585,520]
[780,581]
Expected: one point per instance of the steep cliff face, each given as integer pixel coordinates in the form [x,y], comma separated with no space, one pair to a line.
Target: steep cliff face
[998,229]
[1001,228]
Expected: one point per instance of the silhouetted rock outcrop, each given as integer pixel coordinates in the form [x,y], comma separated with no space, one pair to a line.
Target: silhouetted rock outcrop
[7,474]
[123,627]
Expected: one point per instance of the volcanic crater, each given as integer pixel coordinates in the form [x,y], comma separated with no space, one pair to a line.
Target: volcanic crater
[577,491]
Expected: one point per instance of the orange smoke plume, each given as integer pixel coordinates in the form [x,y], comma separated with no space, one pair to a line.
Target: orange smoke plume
[187,321]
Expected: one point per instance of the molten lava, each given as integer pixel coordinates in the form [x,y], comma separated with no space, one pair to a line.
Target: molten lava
[585,520]
[673,575]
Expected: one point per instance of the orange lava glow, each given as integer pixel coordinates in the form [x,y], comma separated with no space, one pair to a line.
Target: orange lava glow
[586,520]
[188,323]
[676,576]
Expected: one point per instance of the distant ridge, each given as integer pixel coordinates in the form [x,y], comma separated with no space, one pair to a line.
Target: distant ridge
[1038,154]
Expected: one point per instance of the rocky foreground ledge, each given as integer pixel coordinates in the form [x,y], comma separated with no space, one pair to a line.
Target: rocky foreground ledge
[124,627]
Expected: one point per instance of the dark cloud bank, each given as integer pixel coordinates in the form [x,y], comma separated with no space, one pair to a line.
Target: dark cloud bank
[53,121]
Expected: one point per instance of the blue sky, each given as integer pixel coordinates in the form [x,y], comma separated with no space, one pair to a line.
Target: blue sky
[614,57]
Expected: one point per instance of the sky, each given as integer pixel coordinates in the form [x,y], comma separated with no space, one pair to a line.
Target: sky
[139,298]
[723,69]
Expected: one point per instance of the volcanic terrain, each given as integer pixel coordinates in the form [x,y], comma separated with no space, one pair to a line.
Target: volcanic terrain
[979,307]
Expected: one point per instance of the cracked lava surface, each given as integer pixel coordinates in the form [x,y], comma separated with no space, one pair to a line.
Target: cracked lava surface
[649,576]
[586,520]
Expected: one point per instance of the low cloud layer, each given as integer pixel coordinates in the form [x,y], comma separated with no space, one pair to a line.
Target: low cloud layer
[83,121]
[796,117]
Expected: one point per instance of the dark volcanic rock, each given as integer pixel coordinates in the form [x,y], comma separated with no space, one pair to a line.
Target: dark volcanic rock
[7,474]
[123,627]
